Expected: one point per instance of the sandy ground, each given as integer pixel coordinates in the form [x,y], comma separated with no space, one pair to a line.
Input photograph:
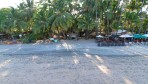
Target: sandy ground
[73,62]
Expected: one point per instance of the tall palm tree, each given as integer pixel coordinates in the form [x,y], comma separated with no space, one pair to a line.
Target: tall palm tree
[62,19]
[86,18]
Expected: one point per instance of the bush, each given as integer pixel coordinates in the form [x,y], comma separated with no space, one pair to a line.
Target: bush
[29,38]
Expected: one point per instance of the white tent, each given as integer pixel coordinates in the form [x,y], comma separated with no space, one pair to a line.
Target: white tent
[99,36]
[121,31]
[126,36]
[146,35]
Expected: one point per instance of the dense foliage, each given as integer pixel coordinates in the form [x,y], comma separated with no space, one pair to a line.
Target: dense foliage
[39,20]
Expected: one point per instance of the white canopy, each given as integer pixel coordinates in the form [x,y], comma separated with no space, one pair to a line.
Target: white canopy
[120,31]
[126,36]
[99,36]
[146,35]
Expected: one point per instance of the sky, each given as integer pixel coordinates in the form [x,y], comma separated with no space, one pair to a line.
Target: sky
[14,3]
[8,3]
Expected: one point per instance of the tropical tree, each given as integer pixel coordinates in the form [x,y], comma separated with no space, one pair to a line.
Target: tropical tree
[40,20]
[86,18]
[62,19]
[3,16]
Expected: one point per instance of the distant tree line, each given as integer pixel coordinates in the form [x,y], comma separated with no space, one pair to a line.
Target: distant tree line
[39,20]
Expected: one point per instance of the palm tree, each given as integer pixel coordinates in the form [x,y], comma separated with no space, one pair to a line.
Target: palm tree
[62,19]
[87,17]
[67,16]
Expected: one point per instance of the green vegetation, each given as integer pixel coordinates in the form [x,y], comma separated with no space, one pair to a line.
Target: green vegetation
[61,17]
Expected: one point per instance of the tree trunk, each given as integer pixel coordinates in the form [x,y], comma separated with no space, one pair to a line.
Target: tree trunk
[64,35]
[107,26]
[140,29]
[86,34]
[11,38]
[97,29]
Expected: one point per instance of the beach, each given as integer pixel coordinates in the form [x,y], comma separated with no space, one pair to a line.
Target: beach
[73,62]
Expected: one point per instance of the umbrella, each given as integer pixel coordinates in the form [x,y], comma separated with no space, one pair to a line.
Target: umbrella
[126,36]
[114,36]
[121,31]
[146,35]
[139,36]
[99,36]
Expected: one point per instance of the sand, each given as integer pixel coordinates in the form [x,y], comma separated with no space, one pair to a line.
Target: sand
[73,62]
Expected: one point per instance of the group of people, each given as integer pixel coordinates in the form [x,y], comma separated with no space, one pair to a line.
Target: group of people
[117,41]
[54,38]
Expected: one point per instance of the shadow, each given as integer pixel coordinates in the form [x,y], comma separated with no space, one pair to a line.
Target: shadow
[71,61]
[99,59]
[4,50]
[104,69]
[75,60]
[127,81]
[62,59]
[4,74]
[66,45]
[74,53]
[58,47]
[11,49]
[34,58]
[99,63]
[138,50]
[3,64]
[19,47]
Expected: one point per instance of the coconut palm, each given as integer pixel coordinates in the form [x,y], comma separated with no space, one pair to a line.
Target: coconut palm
[62,19]
[41,26]
[67,16]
